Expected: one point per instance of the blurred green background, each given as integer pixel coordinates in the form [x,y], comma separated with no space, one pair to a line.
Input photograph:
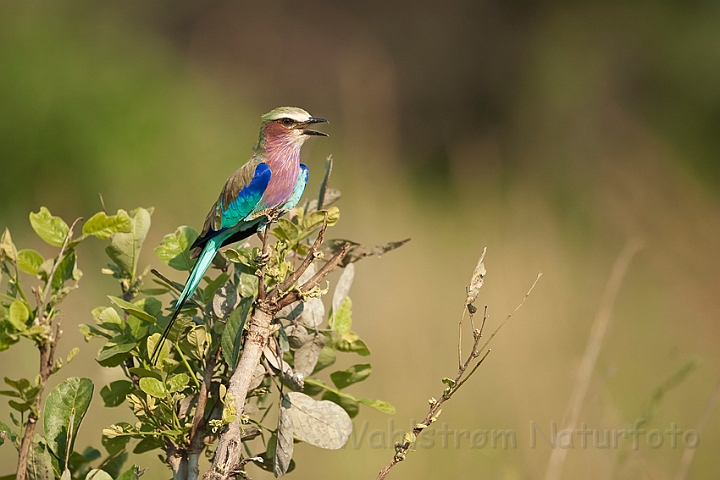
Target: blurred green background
[552,134]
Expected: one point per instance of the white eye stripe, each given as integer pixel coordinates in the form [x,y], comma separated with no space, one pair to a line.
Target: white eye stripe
[299,116]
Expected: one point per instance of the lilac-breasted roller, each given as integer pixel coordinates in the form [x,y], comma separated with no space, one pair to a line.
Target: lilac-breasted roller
[268,185]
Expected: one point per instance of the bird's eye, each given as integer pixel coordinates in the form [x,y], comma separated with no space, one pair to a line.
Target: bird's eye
[286,121]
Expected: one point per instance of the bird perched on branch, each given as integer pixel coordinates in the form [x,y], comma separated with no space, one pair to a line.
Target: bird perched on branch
[268,185]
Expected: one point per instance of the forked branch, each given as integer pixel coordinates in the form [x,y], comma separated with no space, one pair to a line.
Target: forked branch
[477,356]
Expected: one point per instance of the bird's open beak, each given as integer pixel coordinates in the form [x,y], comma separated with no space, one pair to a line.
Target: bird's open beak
[312,120]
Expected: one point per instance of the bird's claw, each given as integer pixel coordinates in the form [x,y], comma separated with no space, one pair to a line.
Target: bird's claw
[262,258]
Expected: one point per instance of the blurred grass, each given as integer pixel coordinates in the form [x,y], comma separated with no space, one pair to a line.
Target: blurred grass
[548,134]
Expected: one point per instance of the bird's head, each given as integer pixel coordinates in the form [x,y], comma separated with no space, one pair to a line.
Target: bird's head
[288,125]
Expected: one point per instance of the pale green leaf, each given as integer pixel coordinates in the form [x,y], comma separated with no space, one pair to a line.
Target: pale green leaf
[178,382]
[51,229]
[153,387]
[342,318]
[19,315]
[29,261]
[96,474]
[144,311]
[174,249]
[103,226]
[379,405]
[124,248]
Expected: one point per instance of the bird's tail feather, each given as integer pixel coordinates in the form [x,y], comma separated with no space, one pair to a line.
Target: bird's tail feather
[203,263]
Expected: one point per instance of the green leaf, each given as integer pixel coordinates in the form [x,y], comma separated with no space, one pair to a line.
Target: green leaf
[124,248]
[7,432]
[181,324]
[342,318]
[88,331]
[139,310]
[19,406]
[142,372]
[20,385]
[147,444]
[65,408]
[39,461]
[19,315]
[286,230]
[349,342]
[115,444]
[248,285]
[316,219]
[96,474]
[51,229]
[153,387]
[109,319]
[327,358]
[174,249]
[152,342]
[354,374]
[198,339]
[380,405]
[347,402]
[132,473]
[114,393]
[119,345]
[29,261]
[67,270]
[231,337]
[103,226]
[178,382]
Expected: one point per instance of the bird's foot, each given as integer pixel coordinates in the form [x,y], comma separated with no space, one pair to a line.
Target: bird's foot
[262,259]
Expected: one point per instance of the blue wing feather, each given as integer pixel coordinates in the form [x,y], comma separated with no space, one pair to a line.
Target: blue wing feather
[241,193]
[247,198]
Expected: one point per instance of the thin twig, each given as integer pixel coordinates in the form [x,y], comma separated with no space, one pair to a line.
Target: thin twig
[454,385]
[309,258]
[46,350]
[315,280]
[592,350]
[323,185]
[102,202]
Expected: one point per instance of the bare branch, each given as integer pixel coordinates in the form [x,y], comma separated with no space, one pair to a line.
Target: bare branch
[309,258]
[453,385]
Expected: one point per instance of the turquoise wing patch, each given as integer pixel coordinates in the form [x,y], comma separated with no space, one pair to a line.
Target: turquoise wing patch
[299,188]
[247,198]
